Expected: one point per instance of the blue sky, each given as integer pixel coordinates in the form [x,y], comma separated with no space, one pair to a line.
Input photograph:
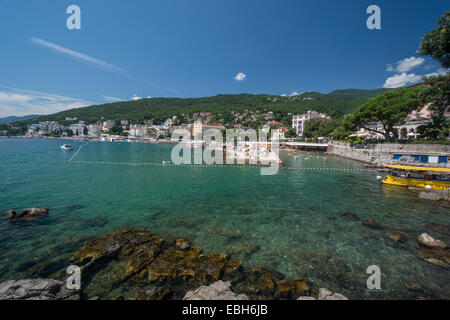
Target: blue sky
[190,48]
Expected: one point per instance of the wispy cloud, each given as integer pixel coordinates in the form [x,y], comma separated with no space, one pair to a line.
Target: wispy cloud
[240,76]
[405,65]
[78,55]
[94,61]
[112,99]
[19,102]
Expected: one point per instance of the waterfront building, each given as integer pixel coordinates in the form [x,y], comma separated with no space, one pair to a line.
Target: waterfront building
[168,122]
[94,130]
[77,129]
[199,128]
[137,130]
[409,130]
[298,121]
[109,123]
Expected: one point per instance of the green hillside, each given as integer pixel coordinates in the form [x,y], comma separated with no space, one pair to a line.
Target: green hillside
[351,94]
[337,103]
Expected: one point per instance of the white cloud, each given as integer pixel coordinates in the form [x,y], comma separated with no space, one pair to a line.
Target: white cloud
[294,93]
[18,102]
[439,72]
[400,80]
[405,65]
[78,55]
[240,76]
[284,95]
[135,97]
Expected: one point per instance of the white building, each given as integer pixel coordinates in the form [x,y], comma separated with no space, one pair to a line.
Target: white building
[94,130]
[109,123]
[298,121]
[77,128]
[137,130]
[168,122]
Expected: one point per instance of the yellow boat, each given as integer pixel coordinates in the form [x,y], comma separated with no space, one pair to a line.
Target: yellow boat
[424,177]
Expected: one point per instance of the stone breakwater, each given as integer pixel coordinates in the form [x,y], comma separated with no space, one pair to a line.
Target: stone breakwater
[381,154]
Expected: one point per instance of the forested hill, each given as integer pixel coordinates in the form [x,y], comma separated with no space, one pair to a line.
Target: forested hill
[336,103]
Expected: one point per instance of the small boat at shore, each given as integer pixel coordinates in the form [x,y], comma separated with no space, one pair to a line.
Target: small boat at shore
[421,177]
[66,147]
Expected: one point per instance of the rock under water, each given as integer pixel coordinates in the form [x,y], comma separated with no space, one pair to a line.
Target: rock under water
[155,269]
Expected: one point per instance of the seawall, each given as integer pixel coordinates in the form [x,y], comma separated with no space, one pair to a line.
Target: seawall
[388,153]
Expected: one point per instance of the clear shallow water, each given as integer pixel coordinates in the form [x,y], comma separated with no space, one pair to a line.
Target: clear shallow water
[291,220]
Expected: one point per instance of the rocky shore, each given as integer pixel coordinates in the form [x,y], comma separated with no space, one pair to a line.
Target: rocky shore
[135,264]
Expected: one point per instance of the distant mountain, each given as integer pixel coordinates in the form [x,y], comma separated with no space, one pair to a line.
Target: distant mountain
[16,119]
[337,103]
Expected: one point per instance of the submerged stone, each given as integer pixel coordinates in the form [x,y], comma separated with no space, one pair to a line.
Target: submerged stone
[372,224]
[438,256]
[123,241]
[154,293]
[441,228]
[352,216]
[396,239]
[242,249]
[291,288]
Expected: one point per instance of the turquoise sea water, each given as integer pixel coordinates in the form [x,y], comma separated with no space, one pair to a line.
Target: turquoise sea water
[290,221]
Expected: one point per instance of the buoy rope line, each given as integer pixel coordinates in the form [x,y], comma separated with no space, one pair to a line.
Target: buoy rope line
[74,155]
[171,165]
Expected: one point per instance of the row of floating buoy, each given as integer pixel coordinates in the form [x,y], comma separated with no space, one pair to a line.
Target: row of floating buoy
[169,164]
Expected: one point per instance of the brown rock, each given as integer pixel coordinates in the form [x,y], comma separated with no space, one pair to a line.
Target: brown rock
[124,241]
[144,255]
[261,281]
[396,239]
[291,288]
[154,293]
[350,215]
[438,257]
[181,244]
[27,214]
[441,228]
[372,224]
